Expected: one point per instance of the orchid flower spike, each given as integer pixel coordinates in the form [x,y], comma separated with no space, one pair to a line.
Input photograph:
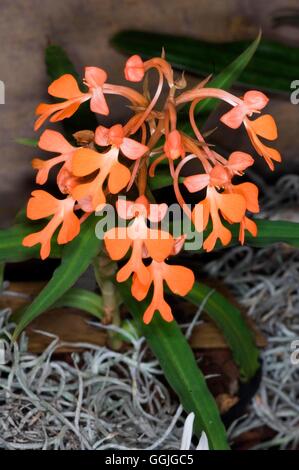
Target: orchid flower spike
[117,163]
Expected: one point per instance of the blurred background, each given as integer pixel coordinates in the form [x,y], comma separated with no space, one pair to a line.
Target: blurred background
[83,29]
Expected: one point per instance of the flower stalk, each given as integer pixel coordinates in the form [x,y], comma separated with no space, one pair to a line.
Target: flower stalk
[105,269]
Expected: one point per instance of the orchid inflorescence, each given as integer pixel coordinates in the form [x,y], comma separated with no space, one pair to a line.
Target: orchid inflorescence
[122,159]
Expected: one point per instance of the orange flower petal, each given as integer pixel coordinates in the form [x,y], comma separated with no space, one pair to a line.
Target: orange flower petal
[180,280]
[196,182]
[41,204]
[117,242]
[44,110]
[69,229]
[93,189]
[43,170]
[232,206]
[65,87]
[159,244]
[134,69]
[133,266]
[218,232]
[247,224]
[85,161]
[53,141]
[234,117]
[116,135]
[98,103]
[239,161]
[265,127]
[219,176]
[132,149]
[250,192]
[162,307]
[201,214]
[119,177]
[34,239]
[140,289]
[95,76]
[66,112]
[102,136]
[255,100]
[251,226]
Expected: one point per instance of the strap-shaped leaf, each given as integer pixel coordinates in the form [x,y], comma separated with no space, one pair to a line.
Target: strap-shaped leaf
[181,371]
[75,259]
[11,248]
[273,231]
[269,232]
[233,326]
[203,58]
[58,63]
[83,299]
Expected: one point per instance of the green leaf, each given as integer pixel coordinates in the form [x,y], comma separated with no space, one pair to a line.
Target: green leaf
[58,63]
[27,141]
[181,371]
[269,232]
[204,58]
[21,217]
[273,231]
[75,259]
[11,248]
[233,326]
[82,299]
[161,180]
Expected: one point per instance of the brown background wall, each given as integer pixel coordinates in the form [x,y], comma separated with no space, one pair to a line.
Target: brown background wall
[83,27]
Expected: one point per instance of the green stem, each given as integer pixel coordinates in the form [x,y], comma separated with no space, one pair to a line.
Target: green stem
[105,269]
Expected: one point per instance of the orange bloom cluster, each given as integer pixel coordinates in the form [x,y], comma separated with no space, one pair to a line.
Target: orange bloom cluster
[121,159]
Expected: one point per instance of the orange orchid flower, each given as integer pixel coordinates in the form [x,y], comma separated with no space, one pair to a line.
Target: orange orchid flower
[134,69]
[264,127]
[144,241]
[231,206]
[86,161]
[249,191]
[253,102]
[179,279]
[53,141]
[66,87]
[42,205]
[232,203]
[115,136]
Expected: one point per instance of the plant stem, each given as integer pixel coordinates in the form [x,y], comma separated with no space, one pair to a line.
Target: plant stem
[105,269]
